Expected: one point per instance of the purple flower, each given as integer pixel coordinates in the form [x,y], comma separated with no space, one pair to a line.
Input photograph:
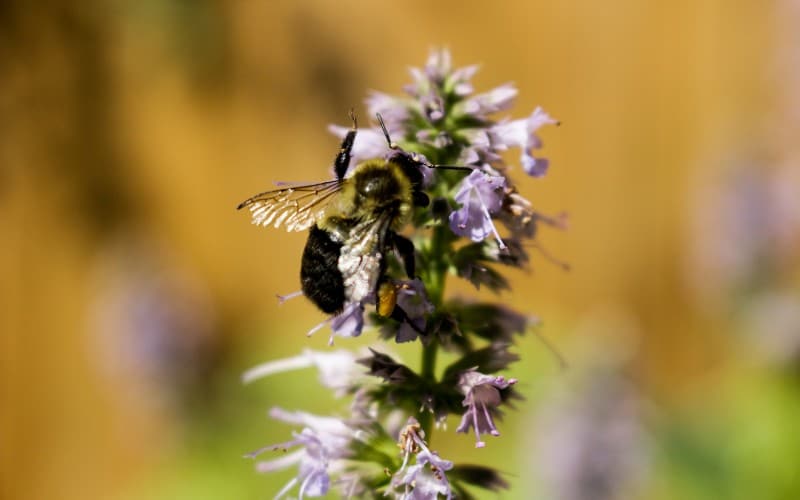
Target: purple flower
[481,147]
[322,441]
[480,195]
[439,115]
[590,440]
[458,81]
[437,83]
[482,395]
[746,232]
[350,322]
[522,134]
[432,75]
[312,464]
[434,138]
[772,319]
[438,65]
[337,369]
[411,297]
[425,480]
[432,83]
[481,105]
[393,110]
[432,105]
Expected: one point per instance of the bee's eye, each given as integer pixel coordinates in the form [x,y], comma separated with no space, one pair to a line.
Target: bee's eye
[369,187]
[377,187]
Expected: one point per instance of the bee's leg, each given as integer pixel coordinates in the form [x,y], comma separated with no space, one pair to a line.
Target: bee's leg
[405,248]
[386,301]
[343,158]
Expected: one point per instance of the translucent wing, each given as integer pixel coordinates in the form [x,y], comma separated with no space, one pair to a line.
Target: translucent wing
[361,255]
[296,207]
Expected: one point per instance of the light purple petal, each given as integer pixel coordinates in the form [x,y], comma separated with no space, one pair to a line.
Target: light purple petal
[482,105]
[405,333]
[471,221]
[350,322]
[458,81]
[480,195]
[316,483]
[438,65]
[539,118]
[392,109]
[522,134]
[510,134]
[413,298]
[535,167]
[469,379]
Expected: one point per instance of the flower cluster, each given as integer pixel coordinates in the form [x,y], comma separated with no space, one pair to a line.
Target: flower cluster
[476,221]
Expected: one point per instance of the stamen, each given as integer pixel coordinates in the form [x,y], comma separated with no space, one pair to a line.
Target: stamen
[304,486]
[488,216]
[318,327]
[479,443]
[271,367]
[254,454]
[286,488]
[420,443]
[492,428]
[406,454]
[281,462]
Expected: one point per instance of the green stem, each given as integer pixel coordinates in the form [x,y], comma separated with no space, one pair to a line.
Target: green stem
[429,375]
[437,273]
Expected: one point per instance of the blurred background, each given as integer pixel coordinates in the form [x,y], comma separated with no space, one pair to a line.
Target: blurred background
[133,295]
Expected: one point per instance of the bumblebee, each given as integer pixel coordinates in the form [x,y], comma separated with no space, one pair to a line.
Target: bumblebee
[353,223]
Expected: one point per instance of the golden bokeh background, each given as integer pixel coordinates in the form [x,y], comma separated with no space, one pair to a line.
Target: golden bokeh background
[133,294]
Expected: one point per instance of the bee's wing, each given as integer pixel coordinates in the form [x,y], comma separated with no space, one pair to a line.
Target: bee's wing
[296,207]
[360,257]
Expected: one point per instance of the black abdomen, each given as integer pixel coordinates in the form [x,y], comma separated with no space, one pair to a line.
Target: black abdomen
[320,277]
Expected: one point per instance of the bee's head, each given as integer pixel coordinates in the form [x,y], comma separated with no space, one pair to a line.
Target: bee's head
[412,166]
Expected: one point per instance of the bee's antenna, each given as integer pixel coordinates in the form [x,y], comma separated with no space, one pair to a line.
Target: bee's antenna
[392,145]
[452,167]
[353,118]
